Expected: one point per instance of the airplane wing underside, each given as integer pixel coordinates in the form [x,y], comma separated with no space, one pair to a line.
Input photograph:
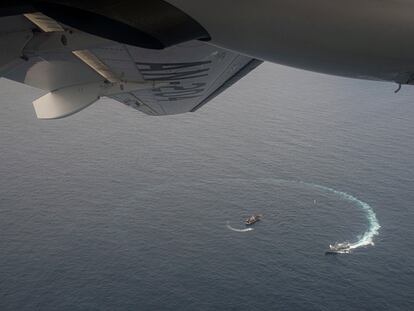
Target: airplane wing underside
[190,75]
[77,68]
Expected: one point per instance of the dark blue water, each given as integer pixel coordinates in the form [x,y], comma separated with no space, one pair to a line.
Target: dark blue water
[114,210]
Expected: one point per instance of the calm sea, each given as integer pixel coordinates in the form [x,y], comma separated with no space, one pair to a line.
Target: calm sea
[111,209]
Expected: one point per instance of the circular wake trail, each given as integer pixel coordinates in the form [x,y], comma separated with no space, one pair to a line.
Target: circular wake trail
[238,230]
[373,229]
[366,239]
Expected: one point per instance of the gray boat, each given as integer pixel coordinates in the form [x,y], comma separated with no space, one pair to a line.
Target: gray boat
[253,219]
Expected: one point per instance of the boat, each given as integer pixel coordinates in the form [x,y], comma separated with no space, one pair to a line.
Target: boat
[253,219]
[339,248]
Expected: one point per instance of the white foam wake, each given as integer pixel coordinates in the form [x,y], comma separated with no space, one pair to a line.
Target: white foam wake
[373,229]
[238,230]
[366,239]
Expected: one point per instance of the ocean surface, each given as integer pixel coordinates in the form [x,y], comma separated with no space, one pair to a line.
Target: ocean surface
[111,209]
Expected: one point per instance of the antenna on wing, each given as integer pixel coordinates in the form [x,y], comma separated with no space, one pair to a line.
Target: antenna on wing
[398,89]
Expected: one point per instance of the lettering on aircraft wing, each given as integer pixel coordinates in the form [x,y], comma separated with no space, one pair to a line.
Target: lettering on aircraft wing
[176,75]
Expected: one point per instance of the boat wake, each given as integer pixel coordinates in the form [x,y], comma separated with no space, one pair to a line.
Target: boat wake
[366,239]
[363,240]
[238,230]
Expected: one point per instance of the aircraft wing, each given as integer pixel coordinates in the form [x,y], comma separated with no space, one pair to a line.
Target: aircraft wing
[77,68]
[191,74]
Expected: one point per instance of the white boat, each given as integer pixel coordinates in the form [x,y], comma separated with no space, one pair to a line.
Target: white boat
[339,248]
